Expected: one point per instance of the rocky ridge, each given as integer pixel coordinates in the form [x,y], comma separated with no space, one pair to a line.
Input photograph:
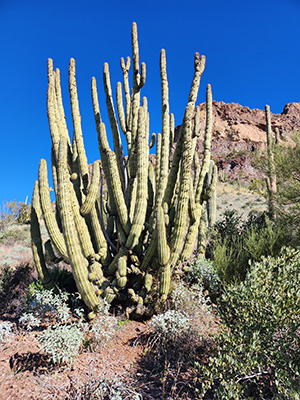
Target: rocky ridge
[238,132]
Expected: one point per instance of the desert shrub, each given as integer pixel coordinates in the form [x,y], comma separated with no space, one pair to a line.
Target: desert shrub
[115,389]
[202,272]
[95,388]
[193,303]
[13,285]
[170,326]
[14,233]
[234,242]
[62,342]
[186,322]
[175,339]
[44,303]
[258,185]
[103,326]
[29,321]
[14,212]
[287,172]
[257,353]
[6,332]
[6,277]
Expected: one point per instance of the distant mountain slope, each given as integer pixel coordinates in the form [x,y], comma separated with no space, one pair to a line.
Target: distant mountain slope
[239,131]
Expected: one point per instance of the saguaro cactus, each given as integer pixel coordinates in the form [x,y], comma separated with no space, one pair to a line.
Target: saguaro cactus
[120,246]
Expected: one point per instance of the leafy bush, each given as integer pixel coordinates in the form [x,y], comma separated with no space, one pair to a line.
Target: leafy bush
[257,354]
[104,325]
[44,303]
[6,277]
[6,332]
[234,242]
[176,339]
[287,171]
[29,321]
[202,272]
[14,212]
[170,326]
[62,342]
[185,322]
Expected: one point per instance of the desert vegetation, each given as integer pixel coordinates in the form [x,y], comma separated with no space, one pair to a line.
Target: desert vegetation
[193,281]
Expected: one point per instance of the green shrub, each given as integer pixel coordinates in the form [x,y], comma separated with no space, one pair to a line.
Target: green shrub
[234,242]
[202,272]
[14,212]
[170,326]
[6,277]
[62,342]
[44,303]
[29,321]
[186,322]
[104,325]
[257,353]
[6,332]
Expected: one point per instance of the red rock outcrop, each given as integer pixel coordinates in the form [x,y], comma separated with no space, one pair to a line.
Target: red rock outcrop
[239,131]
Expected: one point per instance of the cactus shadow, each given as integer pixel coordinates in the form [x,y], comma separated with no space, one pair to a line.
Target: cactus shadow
[31,361]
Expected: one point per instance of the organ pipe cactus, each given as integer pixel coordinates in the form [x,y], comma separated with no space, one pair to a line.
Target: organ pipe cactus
[125,233]
[271,176]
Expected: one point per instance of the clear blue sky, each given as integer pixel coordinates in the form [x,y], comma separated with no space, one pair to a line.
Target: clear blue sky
[252,50]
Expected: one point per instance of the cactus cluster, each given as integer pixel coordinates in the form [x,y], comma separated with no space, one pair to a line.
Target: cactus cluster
[126,227]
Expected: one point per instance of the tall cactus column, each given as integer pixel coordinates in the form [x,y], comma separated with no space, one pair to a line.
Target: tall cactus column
[77,260]
[271,176]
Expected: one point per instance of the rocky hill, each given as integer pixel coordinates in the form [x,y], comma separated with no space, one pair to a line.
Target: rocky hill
[238,132]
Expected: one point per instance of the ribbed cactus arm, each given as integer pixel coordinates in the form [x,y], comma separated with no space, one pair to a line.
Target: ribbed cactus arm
[78,262]
[102,143]
[163,249]
[181,215]
[125,68]
[212,194]
[207,144]
[60,108]
[36,239]
[77,125]
[199,66]
[93,191]
[172,129]
[81,226]
[113,123]
[271,168]
[163,253]
[120,108]
[49,215]
[172,178]
[271,176]
[158,163]
[51,109]
[116,185]
[142,182]
[165,133]
[198,207]
[135,100]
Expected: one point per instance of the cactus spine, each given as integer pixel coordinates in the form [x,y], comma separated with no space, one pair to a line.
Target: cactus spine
[118,246]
